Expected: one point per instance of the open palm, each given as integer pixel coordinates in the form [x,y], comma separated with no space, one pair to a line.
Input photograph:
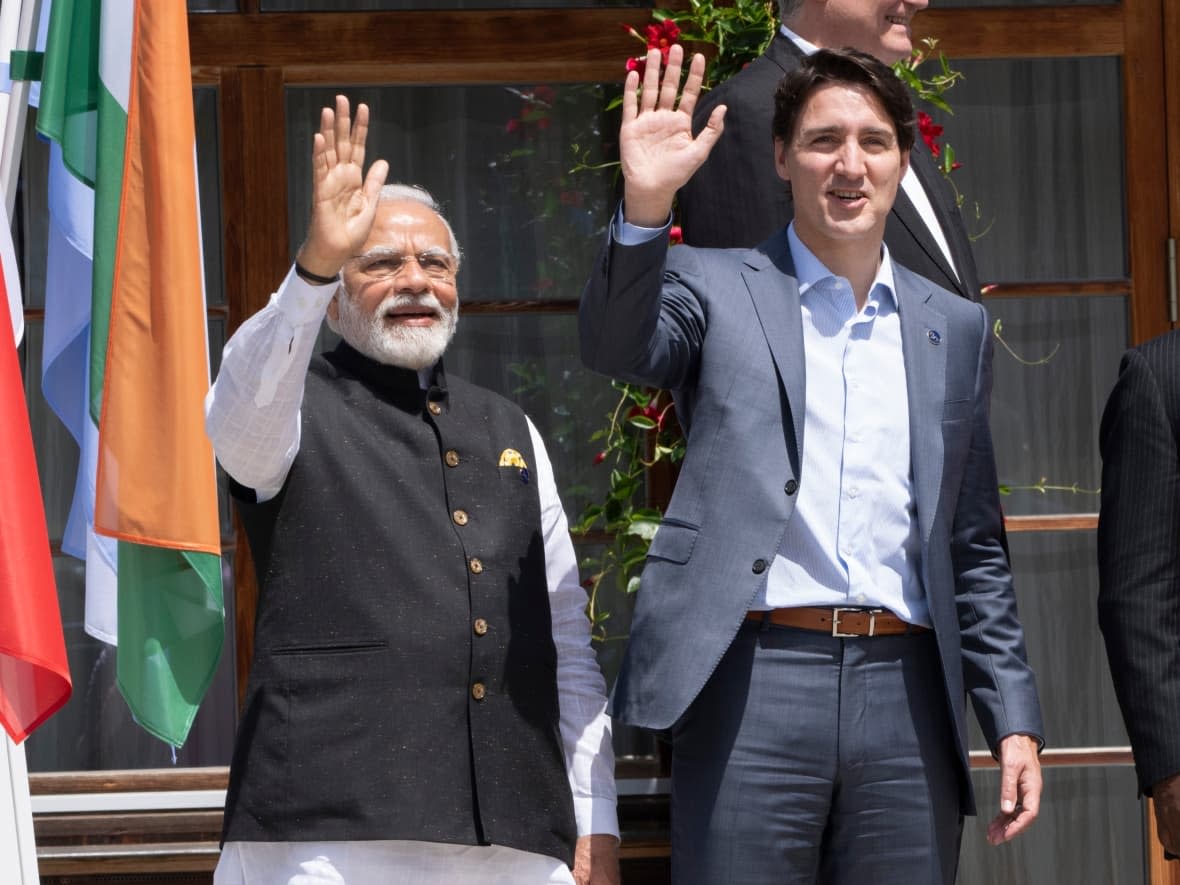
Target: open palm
[344,200]
[656,146]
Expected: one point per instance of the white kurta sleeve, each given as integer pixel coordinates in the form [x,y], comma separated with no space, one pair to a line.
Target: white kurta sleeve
[252,409]
[585,726]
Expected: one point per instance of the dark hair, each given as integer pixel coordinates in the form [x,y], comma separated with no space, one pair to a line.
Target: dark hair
[849,67]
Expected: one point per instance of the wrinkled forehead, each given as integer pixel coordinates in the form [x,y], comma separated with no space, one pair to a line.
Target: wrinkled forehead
[405,226]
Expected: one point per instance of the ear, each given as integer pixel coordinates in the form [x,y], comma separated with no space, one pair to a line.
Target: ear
[780,159]
[333,305]
[905,163]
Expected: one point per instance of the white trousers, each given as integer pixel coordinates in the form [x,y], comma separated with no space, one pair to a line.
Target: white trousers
[384,863]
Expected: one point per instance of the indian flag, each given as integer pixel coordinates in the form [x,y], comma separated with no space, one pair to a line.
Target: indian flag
[117,100]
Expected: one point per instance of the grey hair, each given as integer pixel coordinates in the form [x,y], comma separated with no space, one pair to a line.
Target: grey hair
[392,193]
[787,8]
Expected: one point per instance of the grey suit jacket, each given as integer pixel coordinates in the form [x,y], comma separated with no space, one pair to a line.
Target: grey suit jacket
[736,199]
[722,330]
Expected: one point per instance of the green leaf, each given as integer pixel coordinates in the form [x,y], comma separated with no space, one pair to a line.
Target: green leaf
[633,585]
[643,528]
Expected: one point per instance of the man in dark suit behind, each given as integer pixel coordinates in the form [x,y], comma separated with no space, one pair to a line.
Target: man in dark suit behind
[1139,566]
[737,198]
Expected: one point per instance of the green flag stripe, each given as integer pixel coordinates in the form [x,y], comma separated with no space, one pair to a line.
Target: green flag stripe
[70,86]
[108,192]
[171,632]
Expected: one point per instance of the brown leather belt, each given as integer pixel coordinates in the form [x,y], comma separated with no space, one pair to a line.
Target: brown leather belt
[839,622]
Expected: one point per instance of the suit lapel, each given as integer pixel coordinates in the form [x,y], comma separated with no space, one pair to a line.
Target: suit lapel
[924,351]
[907,214]
[770,280]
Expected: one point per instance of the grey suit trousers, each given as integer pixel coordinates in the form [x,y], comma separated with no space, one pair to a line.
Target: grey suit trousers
[808,758]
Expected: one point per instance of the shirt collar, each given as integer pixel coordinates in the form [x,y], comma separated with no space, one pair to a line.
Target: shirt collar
[805,46]
[809,270]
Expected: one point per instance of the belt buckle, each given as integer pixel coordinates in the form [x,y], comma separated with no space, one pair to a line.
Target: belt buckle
[836,634]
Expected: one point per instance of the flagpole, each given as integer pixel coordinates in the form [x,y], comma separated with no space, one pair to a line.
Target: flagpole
[18,850]
[18,30]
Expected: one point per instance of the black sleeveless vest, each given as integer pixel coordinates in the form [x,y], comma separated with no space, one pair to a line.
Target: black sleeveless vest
[403,683]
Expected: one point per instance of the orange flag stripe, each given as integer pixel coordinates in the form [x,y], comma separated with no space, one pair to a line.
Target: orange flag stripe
[156,476]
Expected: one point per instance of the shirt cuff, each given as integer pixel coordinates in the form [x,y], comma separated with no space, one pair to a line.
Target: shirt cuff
[632,234]
[300,302]
[596,816]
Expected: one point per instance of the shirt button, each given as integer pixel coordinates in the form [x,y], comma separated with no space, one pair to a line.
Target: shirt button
[434,408]
[480,627]
[475,565]
[460,517]
[791,487]
[478,691]
[759,566]
[452,458]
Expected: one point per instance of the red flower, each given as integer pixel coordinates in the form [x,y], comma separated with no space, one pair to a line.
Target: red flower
[661,36]
[675,235]
[637,64]
[599,458]
[929,131]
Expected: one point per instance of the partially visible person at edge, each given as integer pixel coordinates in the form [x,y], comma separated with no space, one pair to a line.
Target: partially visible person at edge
[423,704]
[1139,566]
[736,198]
[827,585]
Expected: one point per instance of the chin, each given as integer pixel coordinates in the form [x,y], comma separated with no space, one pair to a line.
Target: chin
[407,347]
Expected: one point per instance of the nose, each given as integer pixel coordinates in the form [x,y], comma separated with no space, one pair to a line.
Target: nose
[410,277]
[850,160]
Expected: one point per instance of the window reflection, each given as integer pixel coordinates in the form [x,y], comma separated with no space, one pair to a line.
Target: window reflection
[1053,369]
[1041,143]
[512,165]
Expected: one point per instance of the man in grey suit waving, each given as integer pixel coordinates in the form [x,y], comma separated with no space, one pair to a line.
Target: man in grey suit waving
[812,616]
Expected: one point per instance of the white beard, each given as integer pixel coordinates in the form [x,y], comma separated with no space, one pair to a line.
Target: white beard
[409,347]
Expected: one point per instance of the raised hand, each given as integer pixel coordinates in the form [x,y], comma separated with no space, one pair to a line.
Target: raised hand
[656,145]
[343,200]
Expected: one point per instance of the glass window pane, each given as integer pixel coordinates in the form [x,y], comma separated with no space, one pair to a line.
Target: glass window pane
[1041,143]
[1090,832]
[499,159]
[1057,590]
[212,5]
[1053,370]
[209,184]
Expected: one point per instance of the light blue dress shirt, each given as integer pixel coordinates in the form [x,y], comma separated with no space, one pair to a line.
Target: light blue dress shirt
[853,539]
